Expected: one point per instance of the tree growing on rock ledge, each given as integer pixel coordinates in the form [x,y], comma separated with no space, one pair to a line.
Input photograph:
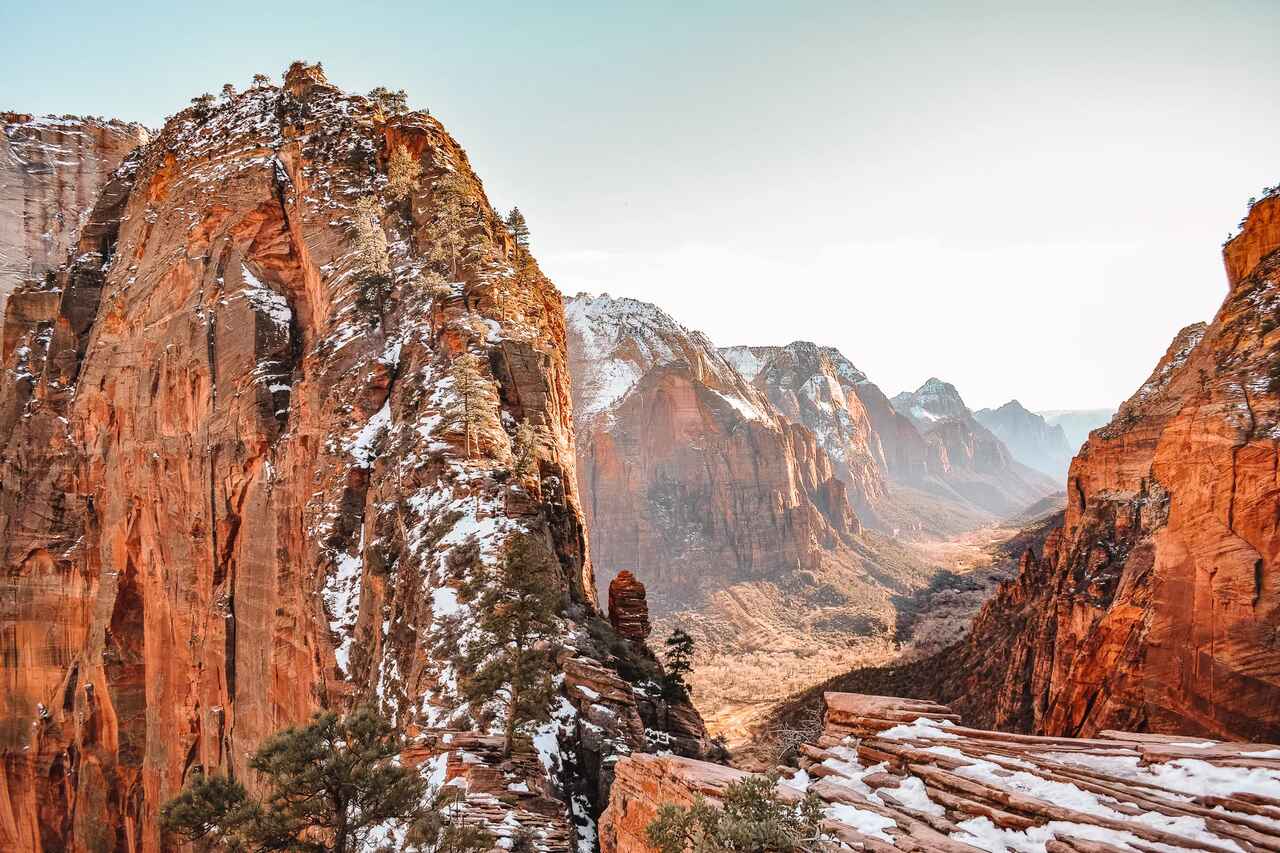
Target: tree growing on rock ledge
[475,399]
[403,170]
[678,665]
[327,786]
[517,605]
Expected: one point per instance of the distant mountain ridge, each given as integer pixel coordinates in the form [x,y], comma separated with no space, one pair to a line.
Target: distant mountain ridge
[1077,423]
[1030,438]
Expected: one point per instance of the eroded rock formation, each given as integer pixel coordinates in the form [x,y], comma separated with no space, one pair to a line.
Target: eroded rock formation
[629,607]
[895,774]
[51,171]
[1155,607]
[232,491]
[970,459]
[733,516]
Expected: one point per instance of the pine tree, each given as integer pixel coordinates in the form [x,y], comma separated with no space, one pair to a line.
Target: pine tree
[518,227]
[261,80]
[371,240]
[403,170]
[228,91]
[517,605]
[679,664]
[475,398]
[524,448]
[447,228]
[325,787]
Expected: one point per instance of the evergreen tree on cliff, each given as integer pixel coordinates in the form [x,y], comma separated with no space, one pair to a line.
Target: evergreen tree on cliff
[517,605]
[325,787]
[518,227]
[679,664]
[475,399]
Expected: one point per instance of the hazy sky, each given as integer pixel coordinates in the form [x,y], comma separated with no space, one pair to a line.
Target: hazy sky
[1026,199]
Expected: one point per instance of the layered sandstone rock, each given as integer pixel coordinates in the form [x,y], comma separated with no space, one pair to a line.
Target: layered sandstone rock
[1030,438]
[898,481]
[51,171]
[629,607]
[895,774]
[1154,607]
[231,491]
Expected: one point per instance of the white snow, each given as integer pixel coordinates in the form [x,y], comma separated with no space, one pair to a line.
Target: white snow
[266,300]
[923,728]
[868,823]
[361,446]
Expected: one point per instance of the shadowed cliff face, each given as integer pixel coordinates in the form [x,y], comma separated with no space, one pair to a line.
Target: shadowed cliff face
[51,171]
[230,490]
[1155,607]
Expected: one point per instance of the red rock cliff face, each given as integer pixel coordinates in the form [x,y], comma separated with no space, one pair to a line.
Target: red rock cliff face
[691,478]
[51,171]
[1155,607]
[231,494]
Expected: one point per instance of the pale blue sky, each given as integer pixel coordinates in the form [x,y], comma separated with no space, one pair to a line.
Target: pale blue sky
[1026,199]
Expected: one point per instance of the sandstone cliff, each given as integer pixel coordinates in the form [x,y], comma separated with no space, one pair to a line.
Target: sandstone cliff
[232,491]
[1030,438]
[1154,606]
[733,516]
[51,170]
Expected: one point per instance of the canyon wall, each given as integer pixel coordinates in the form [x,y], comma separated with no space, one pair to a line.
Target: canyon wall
[234,487]
[51,171]
[1155,607]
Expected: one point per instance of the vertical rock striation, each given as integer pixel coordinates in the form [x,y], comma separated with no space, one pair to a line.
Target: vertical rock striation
[51,171]
[232,491]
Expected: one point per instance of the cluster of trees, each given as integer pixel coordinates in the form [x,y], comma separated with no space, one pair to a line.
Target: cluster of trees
[328,787]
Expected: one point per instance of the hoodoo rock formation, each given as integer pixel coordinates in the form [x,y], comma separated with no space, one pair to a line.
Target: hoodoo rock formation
[1155,606]
[51,171]
[629,607]
[234,488]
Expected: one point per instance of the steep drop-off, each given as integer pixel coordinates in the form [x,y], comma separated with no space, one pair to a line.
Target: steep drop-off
[232,488]
[1155,606]
[51,171]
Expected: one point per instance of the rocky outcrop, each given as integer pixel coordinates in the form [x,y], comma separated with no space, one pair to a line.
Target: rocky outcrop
[1030,439]
[895,774]
[689,475]
[51,171]
[1154,606]
[232,488]
[629,607]
[970,460]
